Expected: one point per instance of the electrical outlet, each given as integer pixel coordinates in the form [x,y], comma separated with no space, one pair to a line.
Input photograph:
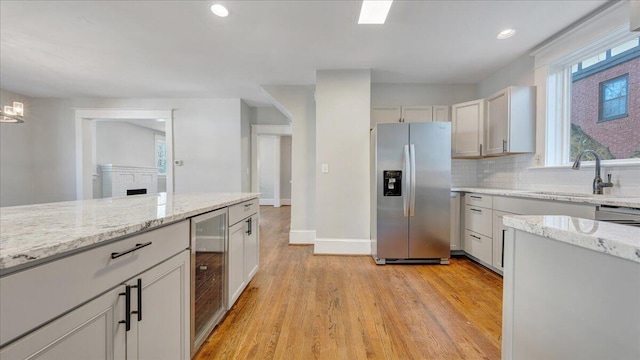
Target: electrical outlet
[538,160]
[325,168]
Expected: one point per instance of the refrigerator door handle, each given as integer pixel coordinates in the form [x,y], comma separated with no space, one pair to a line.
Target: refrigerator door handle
[412,206]
[405,193]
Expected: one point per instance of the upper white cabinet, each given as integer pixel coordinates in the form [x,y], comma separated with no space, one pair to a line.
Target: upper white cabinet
[510,121]
[422,113]
[467,128]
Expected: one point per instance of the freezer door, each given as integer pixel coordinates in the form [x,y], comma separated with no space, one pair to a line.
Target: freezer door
[392,224]
[430,145]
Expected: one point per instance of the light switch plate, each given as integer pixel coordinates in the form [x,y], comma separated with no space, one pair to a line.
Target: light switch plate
[325,168]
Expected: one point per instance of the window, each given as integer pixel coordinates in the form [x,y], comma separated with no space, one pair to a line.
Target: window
[614,98]
[161,156]
[600,86]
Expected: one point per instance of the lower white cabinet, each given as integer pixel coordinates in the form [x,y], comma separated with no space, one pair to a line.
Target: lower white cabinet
[499,233]
[236,276]
[478,245]
[160,312]
[145,318]
[244,250]
[91,331]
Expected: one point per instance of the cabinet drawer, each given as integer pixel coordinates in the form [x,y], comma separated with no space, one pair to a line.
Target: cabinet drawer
[479,220]
[479,246]
[481,200]
[243,210]
[44,292]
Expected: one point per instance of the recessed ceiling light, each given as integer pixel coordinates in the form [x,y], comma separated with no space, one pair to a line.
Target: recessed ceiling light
[506,33]
[219,10]
[374,11]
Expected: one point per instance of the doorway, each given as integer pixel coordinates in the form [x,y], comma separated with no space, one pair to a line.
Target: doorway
[87,169]
[271,163]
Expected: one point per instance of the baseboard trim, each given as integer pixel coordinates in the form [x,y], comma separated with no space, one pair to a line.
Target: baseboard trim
[285,202]
[302,237]
[342,246]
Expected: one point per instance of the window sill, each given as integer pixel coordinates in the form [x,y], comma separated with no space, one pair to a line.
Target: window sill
[589,164]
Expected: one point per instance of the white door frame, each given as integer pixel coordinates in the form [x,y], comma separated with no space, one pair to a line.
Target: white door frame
[276,130]
[85,124]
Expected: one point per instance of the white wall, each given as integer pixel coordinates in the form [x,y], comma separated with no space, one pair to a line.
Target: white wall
[297,102]
[122,143]
[269,116]
[266,166]
[17,172]
[421,94]
[285,169]
[343,108]
[517,73]
[246,113]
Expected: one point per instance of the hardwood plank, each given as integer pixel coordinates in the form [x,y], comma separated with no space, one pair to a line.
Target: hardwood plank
[301,306]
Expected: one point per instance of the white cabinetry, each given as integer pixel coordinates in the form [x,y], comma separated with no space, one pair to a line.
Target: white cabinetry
[484,233]
[160,312]
[467,128]
[421,113]
[510,121]
[478,227]
[455,221]
[244,248]
[90,331]
[129,298]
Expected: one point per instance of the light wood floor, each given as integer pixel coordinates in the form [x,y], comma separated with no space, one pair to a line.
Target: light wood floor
[301,306]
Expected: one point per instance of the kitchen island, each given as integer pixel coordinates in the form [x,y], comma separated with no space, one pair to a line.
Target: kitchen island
[571,289]
[75,276]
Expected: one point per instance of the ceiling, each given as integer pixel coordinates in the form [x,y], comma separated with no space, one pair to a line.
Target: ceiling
[174,49]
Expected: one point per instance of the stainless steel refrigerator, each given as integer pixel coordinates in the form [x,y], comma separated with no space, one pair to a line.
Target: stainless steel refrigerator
[410,192]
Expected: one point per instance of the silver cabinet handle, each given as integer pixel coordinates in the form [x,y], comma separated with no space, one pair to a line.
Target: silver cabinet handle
[203,267]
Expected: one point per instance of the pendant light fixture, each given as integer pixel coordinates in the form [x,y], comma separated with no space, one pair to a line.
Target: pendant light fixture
[12,114]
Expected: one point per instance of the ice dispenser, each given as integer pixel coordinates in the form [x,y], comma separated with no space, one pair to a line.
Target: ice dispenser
[392,183]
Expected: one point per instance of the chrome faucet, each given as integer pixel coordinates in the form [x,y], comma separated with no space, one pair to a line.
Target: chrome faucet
[598,184]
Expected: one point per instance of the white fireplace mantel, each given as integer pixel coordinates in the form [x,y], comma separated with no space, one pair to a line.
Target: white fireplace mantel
[117,179]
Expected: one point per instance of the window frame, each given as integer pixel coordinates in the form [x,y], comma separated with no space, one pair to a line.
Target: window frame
[557,142]
[163,141]
[601,102]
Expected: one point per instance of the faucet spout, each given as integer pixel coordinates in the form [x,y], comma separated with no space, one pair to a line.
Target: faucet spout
[598,184]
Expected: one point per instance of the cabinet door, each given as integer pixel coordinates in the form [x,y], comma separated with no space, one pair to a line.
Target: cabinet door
[455,221]
[467,128]
[252,249]
[161,312]
[236,277]
[441,113]
[417,114]
[497,123]
[499,232]
[380,115]
[92,331]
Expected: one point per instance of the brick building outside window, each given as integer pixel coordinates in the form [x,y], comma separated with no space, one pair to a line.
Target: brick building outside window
[605,103]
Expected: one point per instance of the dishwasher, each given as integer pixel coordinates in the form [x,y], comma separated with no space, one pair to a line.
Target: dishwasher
[619,215]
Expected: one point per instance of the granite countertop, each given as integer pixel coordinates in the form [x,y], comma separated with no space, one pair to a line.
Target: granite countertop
[617,240]
[31,233]
[611,200]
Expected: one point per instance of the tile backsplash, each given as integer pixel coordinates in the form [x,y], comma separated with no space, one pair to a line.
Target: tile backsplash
[518,172]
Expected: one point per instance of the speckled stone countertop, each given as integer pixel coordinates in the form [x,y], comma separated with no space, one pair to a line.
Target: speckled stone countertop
[612,200]
[31,233]
[621,241]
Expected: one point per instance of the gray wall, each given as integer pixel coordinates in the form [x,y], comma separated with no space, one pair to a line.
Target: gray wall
[285,168]
[269,116]
[246,113]
[122,143]
[17,173]
[266,165]
[421,94]
[38,158]
[343,108]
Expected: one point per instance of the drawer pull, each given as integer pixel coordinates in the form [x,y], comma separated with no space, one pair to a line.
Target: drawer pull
[476,237]
[248,205]
[116,255]
[475,197]
[476,210]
